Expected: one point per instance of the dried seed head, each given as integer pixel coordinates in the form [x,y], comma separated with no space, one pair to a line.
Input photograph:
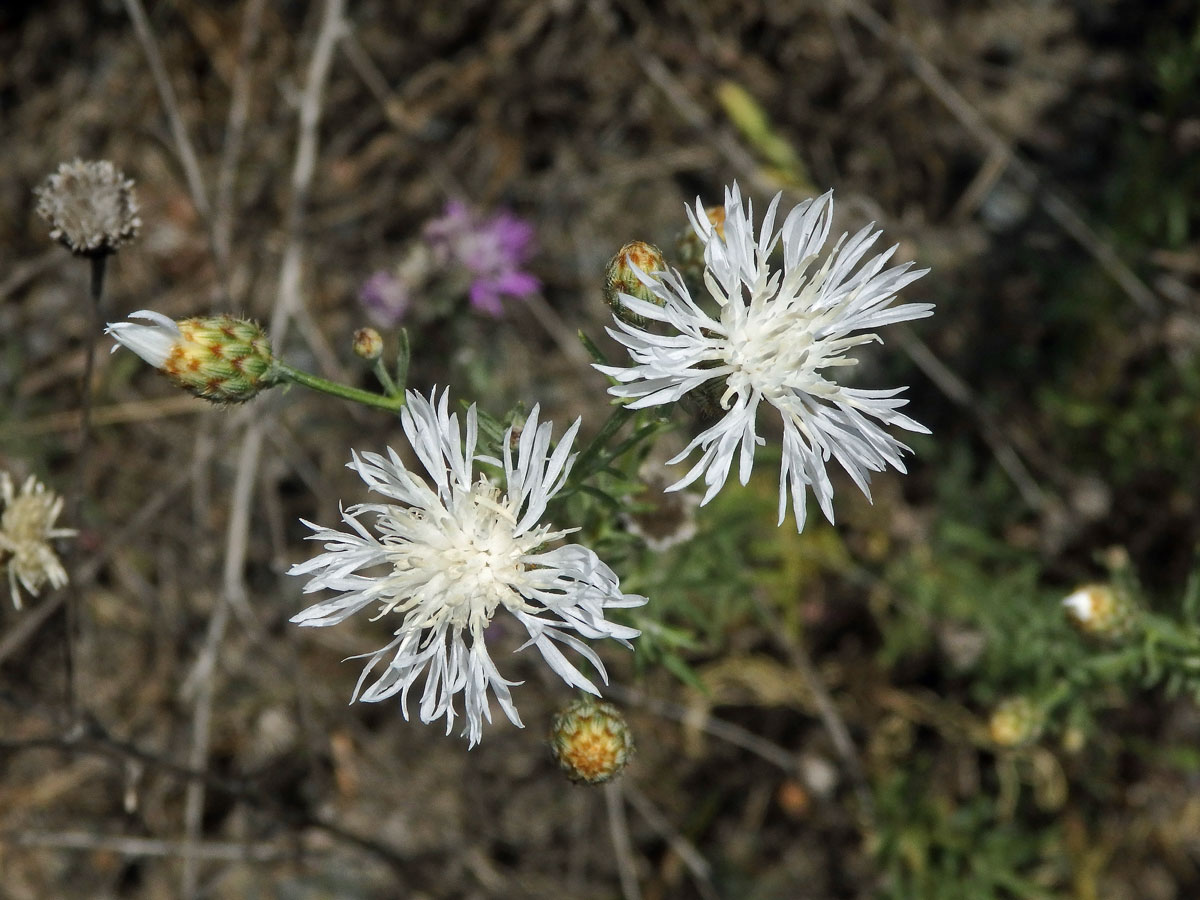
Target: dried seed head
[26,530]
[628,273]
[218,358]
[591,741]
[368,344]
[90,207]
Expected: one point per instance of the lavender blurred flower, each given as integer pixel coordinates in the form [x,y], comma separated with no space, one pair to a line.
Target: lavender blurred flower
[385,299]
[491,249]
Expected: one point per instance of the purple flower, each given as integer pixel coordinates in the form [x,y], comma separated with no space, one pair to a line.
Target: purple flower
[491,249]
[385,298]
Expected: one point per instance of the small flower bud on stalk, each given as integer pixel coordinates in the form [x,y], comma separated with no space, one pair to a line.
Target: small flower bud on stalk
[621,277]
[1102,611]
[218,358]
[368,344]
[591,741]
[1015,722]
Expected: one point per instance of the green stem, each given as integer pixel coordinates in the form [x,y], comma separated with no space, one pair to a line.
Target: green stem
[582,470]
[403,357]
[283,372]
[385,378]
[1170,634]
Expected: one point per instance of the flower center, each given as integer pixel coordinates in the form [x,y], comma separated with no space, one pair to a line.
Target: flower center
[458,564]
[773,354]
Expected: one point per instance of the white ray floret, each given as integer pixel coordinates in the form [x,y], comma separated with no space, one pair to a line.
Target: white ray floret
[448,552]
[153,343]
[775,337]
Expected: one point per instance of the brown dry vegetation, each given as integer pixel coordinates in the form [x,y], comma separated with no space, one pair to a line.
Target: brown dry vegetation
[203,719]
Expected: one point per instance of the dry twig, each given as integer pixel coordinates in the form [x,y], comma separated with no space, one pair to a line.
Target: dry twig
[287,300]
[831,718]
[166,94]
[618,829]
[1057,207]
[692,858]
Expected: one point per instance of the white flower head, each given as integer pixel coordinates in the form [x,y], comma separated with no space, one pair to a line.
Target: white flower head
[776,336]
[26,530]
[449,552]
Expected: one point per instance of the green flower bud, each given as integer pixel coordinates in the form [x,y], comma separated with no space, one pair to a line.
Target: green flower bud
[689,248]
[620,278]
[591,741]
[368,344]
[1102,611]
[219,358]
[1016,722]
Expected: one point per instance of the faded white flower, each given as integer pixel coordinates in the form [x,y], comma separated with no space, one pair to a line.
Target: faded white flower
[448,553]
[775,337]
[26,530]
[90,207]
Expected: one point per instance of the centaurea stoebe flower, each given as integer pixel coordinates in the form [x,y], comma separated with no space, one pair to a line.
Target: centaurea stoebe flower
[449,552]
[775,337]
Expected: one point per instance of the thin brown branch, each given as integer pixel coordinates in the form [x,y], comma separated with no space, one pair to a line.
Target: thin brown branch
[618,829]
[225,851]
[692,859]
[718,728]
[90,737]
[235,128]
[166,94]
[830,716]
[1061,210]
[959,392]
[287,301]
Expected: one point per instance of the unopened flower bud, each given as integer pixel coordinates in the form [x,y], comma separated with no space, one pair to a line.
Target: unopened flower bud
[631,271]
[1102,611]
[218,358]
[90,207]
[368,343]
[1015,722]
[689,247]
[591,741]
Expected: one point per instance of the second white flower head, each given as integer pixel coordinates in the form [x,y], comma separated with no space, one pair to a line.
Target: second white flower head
[454,550]
[774,337]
